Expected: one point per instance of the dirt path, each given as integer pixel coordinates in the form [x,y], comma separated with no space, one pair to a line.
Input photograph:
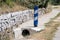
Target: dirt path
[42,20]
[57,34]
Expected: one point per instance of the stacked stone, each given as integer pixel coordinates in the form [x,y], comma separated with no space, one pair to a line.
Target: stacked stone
[15,18]
[8,20]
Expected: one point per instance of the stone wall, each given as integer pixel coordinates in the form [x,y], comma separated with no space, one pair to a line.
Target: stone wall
[8,20]
[11,20]
[16,18]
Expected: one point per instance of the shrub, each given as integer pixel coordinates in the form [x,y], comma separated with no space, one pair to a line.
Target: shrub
[55,2]
[9,2]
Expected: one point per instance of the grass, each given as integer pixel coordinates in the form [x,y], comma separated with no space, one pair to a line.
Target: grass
[6,9]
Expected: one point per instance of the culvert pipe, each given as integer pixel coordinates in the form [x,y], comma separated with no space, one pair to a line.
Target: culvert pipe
[25,32]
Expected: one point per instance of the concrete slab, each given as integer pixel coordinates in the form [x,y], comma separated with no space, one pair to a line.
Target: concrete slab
[37,29]
[18,33]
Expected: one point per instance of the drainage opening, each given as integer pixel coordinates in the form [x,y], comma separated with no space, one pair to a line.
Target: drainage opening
[25,32]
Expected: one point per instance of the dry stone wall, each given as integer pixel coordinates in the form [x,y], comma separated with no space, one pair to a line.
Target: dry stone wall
[11,19]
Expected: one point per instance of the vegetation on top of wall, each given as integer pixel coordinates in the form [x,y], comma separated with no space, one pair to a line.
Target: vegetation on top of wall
[28,3]
[55,2]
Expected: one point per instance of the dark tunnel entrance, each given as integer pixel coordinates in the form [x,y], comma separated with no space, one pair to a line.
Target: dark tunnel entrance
[25,32]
